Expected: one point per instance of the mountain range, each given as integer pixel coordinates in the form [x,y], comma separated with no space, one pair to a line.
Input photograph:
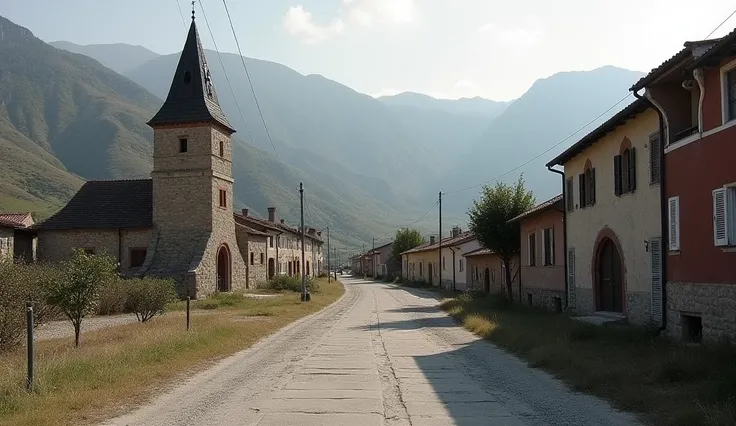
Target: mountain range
[71,112]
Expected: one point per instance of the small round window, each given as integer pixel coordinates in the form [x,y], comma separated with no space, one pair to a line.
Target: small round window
[187,77]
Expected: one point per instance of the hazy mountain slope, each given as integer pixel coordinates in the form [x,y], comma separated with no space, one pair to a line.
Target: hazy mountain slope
[548,112]
[476,106]
[119,57]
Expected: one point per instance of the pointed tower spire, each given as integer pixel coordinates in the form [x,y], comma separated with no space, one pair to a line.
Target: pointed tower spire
[192,97]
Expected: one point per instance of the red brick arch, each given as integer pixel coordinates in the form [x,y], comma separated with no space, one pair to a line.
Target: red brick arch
[604,234]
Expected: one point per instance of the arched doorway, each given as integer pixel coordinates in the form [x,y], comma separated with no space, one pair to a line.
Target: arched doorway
[271,267]
[609,279]
[487,280]
[223,269]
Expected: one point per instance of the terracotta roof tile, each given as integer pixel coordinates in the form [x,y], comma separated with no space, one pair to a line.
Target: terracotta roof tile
[447,241]
[106,204]
[16,220]
[478,252]
[539,208]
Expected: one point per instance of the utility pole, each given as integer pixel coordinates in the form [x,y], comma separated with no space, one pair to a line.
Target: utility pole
[329,270]
[439,264]
[305,296]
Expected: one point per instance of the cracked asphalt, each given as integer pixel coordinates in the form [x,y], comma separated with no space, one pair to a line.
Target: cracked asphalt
[381,355]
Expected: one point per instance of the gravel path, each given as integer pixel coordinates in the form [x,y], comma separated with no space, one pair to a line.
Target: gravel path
[381,355]
[58,329]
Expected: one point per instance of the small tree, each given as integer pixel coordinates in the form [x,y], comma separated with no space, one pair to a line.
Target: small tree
[489,221]
[148,297]
[405,239]
[76,291]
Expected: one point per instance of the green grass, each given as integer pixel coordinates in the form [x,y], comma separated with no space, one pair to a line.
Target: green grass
[119,367]
[667,384]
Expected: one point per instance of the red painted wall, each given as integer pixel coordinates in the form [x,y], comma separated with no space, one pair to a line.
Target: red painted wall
[692,172]
[543,277]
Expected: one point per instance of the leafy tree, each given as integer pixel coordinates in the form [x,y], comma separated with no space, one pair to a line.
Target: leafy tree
[405,239]
[489,220]
[148,297]
[77,290]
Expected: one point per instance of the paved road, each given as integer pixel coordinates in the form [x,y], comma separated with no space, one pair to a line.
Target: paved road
[381,355]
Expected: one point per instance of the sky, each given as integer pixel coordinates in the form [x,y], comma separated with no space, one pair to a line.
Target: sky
[443,48]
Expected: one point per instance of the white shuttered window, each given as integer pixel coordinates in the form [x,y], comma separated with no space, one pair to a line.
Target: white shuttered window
[674,223]
[571,277]
[724,216]
[655,251]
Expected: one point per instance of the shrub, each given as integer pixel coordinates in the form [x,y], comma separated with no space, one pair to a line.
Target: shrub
[113,298]
[148,297]
[291,283]
[20,283]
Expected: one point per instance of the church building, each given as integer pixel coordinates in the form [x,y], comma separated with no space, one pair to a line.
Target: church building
[180,223]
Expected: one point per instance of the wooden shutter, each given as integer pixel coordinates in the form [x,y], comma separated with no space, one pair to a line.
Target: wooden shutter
[571,277]
[592,186]
[632,169]
[674,222]
[581,189]
[552,245]
[654,147]
[720,223]
[617,175]
[570,197]
[543,259]
[655,250]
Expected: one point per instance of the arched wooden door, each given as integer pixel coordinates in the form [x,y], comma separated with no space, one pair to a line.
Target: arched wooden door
[610,283]
[223,269]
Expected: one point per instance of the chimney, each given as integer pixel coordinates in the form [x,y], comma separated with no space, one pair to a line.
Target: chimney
[319,233]
[456,231]
[431,239]
[245,212]
[282,221]
[272,214]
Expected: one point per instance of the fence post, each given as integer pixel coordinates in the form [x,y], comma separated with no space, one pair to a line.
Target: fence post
[29,333]
[188,300]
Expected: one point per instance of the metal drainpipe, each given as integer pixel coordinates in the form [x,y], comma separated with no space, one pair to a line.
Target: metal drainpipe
[564,228]
[664,245]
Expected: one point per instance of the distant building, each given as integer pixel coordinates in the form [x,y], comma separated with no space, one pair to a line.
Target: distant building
[488,272]
[17,239]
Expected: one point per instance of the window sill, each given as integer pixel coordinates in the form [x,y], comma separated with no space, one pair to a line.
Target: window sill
[674,252]
[728,249]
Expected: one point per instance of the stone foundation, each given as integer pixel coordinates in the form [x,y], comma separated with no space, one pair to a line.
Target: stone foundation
[713,304]
[543,298]
[638,306]
[584,301]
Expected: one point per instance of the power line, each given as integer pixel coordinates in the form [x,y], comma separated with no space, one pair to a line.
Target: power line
[181,15]
[543,153]
[721,24]
[250,82]
[222,64]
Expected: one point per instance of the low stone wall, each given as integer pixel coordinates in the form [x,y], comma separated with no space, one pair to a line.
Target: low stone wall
[543,298]
[638,305]
[714,304]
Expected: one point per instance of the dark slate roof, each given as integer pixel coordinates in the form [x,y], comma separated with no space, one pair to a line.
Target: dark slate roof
[551,203]
[106,205]
[192,97]
[621,117]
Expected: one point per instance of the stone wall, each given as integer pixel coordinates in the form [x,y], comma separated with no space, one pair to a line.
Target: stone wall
[6,243]
[714,304]
[638,305]
[543,298]
[258,268]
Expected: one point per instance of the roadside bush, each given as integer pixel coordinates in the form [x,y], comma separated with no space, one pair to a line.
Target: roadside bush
[293,283]
[20,283]
[148,297]
[113,298]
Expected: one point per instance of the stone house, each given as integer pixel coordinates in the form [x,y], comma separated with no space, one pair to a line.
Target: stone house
[178,224]
[695,94]
[383,261]
[488,273]
[542,273]
[612,205]
[455,274]
[17,239]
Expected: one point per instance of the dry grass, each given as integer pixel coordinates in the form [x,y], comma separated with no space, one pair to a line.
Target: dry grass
[668,384]
[119,367]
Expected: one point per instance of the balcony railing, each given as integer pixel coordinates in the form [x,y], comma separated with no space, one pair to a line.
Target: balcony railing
[685,133]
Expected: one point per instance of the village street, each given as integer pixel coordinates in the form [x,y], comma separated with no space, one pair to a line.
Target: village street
[382,355]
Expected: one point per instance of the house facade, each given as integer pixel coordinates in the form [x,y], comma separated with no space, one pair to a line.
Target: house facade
[421,263]
[488,273]
[542,256]
[695,93]
[612,200]
[17,239]
[382,259]
[454,269]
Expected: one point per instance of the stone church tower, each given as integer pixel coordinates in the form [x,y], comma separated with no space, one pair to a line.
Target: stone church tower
[194,238]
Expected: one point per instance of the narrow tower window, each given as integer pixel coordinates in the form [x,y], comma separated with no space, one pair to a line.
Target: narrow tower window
[187,77]
[183,145]
[222,149]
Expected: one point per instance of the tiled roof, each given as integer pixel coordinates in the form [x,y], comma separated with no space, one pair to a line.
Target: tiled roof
[677,58]
[250,230]
[192,97]
[16,220]
[539,208]
[447,241]
[275,226]
[106,204]
[725,45]
[478,252]
[632,110]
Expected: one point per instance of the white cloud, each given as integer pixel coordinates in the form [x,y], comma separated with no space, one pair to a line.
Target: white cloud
[299,22]
[365,13]
[516,36]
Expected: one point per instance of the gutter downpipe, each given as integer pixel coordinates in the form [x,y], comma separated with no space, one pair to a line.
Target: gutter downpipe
[564,230]
[662,203]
